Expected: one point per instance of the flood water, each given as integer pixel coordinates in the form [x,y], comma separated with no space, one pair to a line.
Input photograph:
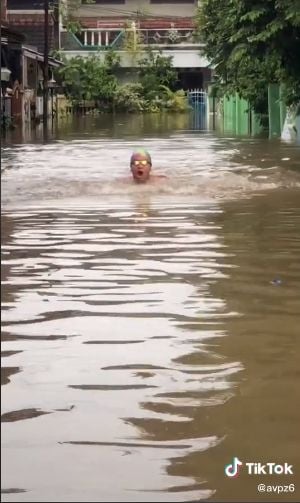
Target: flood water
[150,332]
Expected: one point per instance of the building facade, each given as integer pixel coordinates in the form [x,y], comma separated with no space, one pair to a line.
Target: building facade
[28,16]
[167,25]
[22,60]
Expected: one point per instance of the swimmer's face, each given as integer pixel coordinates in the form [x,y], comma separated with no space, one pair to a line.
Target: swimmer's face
[140,168]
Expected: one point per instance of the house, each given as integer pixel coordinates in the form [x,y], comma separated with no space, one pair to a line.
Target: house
[28,16]
[21,70]
[167,25]
[3,10]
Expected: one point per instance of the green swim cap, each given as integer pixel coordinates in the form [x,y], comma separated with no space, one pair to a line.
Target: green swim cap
[140,152]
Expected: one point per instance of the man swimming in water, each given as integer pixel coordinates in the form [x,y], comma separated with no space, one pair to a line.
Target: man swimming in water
[140,165]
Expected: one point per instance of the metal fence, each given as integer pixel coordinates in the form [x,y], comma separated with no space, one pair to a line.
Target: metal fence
[198,101]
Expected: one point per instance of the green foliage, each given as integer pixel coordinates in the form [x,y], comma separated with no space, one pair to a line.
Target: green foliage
[175,101]
[129,98]
[132,41]
[111,60]
[89,79]
[68,11]
[86,79]
[156,70]
[252,44]
[73,26]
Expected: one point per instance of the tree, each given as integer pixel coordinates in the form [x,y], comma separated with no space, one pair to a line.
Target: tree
[156,70]
[68,10]
[251,44]
[132,41]
[90,79]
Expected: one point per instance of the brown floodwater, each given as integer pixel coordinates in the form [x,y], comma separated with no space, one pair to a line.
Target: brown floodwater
[150,333]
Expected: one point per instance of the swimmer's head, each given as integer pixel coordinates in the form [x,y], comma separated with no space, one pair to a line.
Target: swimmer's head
[140,165]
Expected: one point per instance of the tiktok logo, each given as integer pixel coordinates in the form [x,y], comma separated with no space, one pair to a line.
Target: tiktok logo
[232,470]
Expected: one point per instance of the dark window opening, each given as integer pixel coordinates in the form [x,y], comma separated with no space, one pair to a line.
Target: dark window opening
[190,80]
[173,1]
[25,5]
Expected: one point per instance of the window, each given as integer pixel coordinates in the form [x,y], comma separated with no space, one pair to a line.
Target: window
[25,4]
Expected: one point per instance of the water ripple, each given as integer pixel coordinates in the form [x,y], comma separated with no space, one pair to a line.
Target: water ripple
[144,324]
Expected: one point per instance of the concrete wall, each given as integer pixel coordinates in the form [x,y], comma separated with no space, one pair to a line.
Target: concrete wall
[182,58]
[238,118]
[291,126]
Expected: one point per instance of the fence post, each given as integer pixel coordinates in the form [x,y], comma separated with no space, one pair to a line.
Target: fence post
[274,110]
[282,106]
[230,114]
[256,126]
[242,116]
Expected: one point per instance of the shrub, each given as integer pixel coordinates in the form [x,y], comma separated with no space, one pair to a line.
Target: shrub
[128,98]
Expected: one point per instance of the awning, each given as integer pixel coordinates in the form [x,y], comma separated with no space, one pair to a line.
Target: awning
[31,53]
